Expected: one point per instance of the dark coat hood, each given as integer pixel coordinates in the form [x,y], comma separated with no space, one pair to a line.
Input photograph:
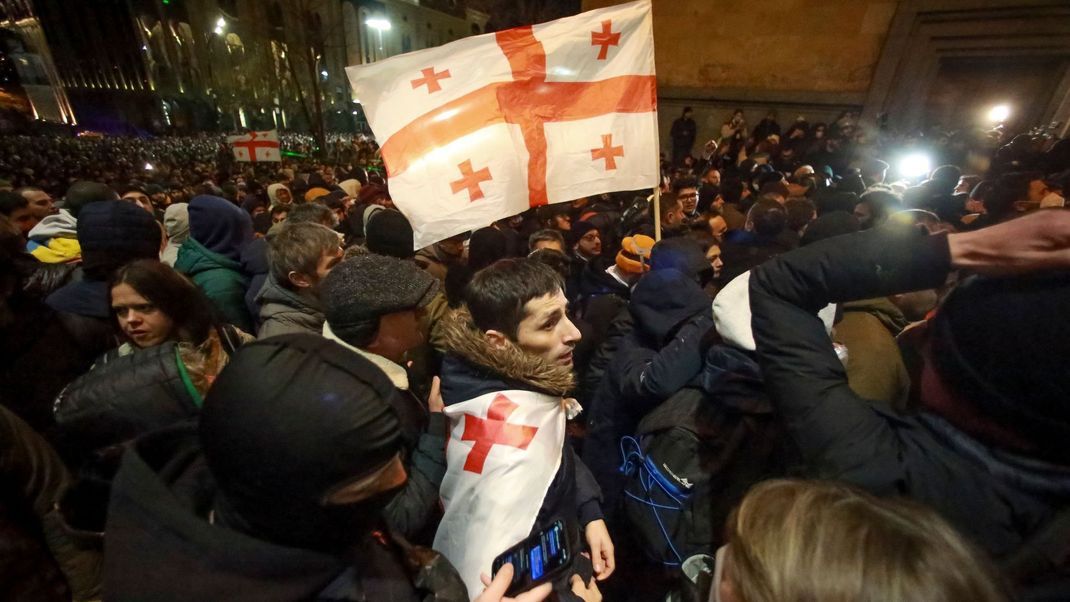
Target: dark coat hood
[159,535]
[665,299]
[221,226]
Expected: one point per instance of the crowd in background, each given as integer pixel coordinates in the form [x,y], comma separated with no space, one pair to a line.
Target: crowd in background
[802,376]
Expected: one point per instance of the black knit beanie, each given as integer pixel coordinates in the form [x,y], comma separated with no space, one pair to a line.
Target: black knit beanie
[389,233]
[114,233]
[1002,343]
[84,192]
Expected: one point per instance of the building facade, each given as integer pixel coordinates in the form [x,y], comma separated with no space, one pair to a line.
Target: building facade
[201,65]
[908,64]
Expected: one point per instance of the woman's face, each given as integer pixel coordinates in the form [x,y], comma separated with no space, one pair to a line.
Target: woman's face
[141,321]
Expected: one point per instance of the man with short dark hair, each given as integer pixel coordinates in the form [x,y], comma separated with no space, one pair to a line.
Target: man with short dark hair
[673,220]
[873,172]
[760,239]
[1014,194]
[279,213]
[709,189]
[40,201]
[800,212]
[139,197]
[300,256]
[17,209]
[546,239]
[507,368]
[687,190]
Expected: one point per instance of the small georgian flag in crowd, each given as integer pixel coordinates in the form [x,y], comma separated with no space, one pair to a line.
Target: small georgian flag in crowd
[256,146]
[485,127]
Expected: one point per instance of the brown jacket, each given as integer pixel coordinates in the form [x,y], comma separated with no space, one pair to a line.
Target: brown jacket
[875,368]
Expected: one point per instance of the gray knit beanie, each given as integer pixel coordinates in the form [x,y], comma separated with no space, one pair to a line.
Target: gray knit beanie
[362,288]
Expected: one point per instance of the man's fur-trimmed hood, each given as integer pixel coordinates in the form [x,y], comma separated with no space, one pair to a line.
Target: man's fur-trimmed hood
[462,337]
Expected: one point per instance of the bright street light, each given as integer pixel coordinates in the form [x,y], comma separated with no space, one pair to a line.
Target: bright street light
[221,22]
[999,113]
[218,31]
[324,73]
[378,23]
[915,165]
[149,167]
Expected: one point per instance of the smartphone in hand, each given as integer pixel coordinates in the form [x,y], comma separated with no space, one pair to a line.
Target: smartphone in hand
[540,558]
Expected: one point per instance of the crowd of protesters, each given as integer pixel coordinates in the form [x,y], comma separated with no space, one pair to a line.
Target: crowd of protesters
[788,375]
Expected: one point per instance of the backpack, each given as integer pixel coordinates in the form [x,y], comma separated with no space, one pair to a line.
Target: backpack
[689,464]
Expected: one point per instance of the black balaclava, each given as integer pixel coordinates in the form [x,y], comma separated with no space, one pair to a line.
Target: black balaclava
[290,420]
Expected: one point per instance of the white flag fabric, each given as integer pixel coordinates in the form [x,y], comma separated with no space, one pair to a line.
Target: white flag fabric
[256,146]
[485,127]
[504,450]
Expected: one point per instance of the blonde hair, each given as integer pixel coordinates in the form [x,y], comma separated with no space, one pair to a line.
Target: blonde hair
[794,541]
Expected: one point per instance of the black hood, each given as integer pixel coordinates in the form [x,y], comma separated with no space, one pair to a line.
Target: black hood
[84,298]
[665,299]
[254,258]
[594,280]
[291,419]
[162,547]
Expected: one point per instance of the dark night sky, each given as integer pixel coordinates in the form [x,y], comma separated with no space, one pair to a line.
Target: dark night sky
[513,13]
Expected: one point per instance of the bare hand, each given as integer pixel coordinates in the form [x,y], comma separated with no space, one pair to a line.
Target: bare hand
[589,593]
[1038,241]
[495,591]
[601,546]
[434,399]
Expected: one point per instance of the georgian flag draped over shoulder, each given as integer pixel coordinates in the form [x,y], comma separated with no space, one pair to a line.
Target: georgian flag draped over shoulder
[256,146]
[503,452]
[485,127]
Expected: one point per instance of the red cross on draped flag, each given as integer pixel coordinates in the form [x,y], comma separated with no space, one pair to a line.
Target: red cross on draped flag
[485,127]
[256,146]
[503,452]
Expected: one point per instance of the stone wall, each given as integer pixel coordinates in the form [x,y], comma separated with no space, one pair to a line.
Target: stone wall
[907,59]
[813,58]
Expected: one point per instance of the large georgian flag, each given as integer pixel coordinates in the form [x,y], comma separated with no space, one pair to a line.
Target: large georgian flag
[483,128]
[256,146]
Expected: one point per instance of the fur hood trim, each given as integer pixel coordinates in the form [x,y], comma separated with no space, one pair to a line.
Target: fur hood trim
[462,337]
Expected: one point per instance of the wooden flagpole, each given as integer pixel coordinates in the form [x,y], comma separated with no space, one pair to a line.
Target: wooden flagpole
[657,206]
[657,189]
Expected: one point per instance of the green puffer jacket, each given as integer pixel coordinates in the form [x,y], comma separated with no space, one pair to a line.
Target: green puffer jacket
[221,280]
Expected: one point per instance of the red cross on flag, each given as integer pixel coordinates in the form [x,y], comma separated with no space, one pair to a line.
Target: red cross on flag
[504,450]
[256,146]
[485,127]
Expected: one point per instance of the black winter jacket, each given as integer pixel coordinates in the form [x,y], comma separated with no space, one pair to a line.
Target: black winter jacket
[163,546]
[655,358]
[125,396]
[254,262]
[842,436]
[120,398]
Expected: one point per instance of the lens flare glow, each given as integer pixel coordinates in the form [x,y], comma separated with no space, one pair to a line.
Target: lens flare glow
[915,165]
[999,113]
